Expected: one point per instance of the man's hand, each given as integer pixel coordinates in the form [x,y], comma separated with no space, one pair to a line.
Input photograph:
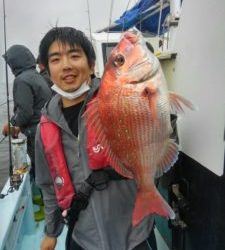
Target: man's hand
[5,130]
[14,131]
[48,243]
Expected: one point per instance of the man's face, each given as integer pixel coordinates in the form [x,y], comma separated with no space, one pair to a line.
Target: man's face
[68,66]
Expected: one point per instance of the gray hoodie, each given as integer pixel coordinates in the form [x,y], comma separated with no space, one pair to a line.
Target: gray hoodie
[30,91]
[106,222]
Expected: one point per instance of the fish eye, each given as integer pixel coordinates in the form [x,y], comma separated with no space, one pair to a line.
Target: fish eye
[119,60]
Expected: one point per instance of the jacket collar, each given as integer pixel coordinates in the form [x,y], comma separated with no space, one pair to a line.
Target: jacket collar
[53,108]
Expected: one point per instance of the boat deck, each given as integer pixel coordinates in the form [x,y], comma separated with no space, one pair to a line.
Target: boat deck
[18,230]
[33,241]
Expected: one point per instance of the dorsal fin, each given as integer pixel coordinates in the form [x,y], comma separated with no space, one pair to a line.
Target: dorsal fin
[168,159]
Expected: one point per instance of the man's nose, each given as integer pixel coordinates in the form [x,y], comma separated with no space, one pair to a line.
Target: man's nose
[66,63]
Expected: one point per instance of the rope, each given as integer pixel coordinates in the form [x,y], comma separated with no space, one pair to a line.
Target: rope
[2,139]
[160,16]
[126,10]
[110,16]
[5,103]
[110,19]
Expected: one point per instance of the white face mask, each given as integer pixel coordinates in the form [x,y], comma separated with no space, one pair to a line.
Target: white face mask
[72,95]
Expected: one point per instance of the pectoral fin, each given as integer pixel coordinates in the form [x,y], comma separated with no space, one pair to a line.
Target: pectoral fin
[177,102]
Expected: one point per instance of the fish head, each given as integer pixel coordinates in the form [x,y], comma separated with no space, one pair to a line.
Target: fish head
[134,68]
[131,62]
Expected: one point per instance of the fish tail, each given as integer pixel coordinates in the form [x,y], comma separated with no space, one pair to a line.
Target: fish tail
[150,203]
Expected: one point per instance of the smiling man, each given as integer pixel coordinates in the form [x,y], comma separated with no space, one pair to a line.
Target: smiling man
[98,217]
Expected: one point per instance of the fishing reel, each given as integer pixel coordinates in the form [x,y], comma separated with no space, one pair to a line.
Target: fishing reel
[15,182]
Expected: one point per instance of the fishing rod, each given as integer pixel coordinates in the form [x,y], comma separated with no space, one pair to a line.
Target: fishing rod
[89,20]
[7,91]
[15,179]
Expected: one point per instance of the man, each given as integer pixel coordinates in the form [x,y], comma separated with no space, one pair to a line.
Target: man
[104,220]
[30,92]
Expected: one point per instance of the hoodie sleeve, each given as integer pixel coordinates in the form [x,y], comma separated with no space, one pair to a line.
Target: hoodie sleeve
[53,218]
[23,103]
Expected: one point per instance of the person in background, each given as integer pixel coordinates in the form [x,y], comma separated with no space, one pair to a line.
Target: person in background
[30,93]
[44,72]
[101,219]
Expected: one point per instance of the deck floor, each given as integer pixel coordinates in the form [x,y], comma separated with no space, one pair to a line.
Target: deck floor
[33,241]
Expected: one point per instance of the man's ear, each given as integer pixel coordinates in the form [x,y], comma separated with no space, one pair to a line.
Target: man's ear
[92,68]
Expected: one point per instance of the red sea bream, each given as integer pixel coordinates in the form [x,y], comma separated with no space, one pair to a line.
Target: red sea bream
[131,119]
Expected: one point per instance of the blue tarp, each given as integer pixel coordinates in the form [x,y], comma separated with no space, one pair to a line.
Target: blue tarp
[144,16]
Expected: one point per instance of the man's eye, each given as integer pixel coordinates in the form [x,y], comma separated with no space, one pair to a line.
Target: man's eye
[75,56]
[53,60]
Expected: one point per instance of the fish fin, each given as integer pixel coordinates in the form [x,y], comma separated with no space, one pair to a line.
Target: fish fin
[168,159]
[177,102]
[120,169]
[148,203]
[92,119]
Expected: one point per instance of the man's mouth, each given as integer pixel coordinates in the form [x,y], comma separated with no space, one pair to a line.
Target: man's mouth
[69,78]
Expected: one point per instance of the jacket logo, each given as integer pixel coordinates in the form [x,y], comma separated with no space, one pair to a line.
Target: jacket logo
[96,149]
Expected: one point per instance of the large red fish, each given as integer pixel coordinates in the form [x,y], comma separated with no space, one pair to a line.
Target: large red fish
[131,119]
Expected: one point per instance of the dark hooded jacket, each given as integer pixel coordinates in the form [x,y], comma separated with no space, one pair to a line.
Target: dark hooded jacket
[45,75]
[30,92]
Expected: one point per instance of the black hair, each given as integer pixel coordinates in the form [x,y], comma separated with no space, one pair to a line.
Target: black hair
[66,35]
[38,61]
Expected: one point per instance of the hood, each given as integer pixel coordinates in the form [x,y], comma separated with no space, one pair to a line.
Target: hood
[19,58]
